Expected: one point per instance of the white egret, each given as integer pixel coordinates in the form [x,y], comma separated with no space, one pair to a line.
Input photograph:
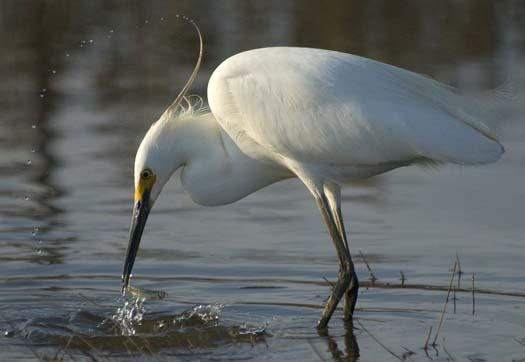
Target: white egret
[322,116]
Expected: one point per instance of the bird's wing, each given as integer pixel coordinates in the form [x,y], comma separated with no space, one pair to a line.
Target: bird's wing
[327,107]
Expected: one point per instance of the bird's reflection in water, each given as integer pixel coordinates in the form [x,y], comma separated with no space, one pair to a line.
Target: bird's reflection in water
[351,348]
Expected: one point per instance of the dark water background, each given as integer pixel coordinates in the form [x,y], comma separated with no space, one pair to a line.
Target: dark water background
[81,81]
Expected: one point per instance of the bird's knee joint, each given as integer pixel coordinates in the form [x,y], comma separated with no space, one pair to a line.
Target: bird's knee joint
[346,275]
[347,268]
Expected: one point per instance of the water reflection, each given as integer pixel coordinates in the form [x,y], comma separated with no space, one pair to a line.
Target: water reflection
[350,352]
[83,80]
[141,55]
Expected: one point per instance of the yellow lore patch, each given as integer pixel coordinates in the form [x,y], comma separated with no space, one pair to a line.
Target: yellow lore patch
[146,181]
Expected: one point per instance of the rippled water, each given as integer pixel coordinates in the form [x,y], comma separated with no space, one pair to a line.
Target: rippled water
[82,81]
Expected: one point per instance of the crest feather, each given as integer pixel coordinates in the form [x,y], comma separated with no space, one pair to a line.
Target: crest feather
[182,95]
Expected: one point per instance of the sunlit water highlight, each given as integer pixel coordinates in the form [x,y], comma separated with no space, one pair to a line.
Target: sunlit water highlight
[130,314]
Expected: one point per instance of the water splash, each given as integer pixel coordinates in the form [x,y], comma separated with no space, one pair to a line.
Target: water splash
[245,330]
[130,315]
[200,315]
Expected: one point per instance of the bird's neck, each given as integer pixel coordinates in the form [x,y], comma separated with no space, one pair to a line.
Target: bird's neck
[216,171]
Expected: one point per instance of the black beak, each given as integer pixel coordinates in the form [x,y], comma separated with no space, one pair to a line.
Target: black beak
[138,221]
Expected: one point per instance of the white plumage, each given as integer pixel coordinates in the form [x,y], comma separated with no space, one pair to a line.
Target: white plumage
[322,116]
[330,108]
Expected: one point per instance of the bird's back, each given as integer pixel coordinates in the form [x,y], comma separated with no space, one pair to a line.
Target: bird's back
[325,107]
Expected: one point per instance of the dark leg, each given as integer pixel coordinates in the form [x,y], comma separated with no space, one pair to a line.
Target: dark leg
[346,267]
[353,289]
[334,198]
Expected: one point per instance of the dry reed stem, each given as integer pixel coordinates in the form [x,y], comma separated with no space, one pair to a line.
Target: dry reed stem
[378,341]
[459,264]
[428,338]
[454,297]
[445,305]
[447,352]
[331,284]
[372,276]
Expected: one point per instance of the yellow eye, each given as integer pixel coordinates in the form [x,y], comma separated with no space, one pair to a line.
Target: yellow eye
[146,174]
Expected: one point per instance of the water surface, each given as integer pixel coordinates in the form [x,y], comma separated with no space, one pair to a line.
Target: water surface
[81,83]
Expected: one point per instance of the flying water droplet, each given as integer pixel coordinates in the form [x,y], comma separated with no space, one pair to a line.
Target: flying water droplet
[41,95]
[27,197]
[33,126]
[67,54]
[112,31]
[160,326]
[252,331]
[33,150]
[162,19]
[54,71]
[44,89]
[201,314]
[9,333]
[146,21]
[91,41]
[28,162]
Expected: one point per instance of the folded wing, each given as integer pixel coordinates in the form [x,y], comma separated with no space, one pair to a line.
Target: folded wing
[327,107]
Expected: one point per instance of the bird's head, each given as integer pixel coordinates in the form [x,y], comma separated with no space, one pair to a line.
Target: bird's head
[156,160]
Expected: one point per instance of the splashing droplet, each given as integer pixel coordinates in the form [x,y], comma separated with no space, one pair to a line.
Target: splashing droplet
[27,197]
[67,54]
[54,71]
[41,95]
[244,329]
[9,333]
[28,162]
[112,31]
[200,315]
[130,315]
[146,21]
[33,126]
[91,41]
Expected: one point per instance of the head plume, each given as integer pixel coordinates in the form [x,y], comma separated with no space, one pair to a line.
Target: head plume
[174,105]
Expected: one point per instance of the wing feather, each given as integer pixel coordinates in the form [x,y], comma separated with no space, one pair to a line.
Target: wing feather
[327,107]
